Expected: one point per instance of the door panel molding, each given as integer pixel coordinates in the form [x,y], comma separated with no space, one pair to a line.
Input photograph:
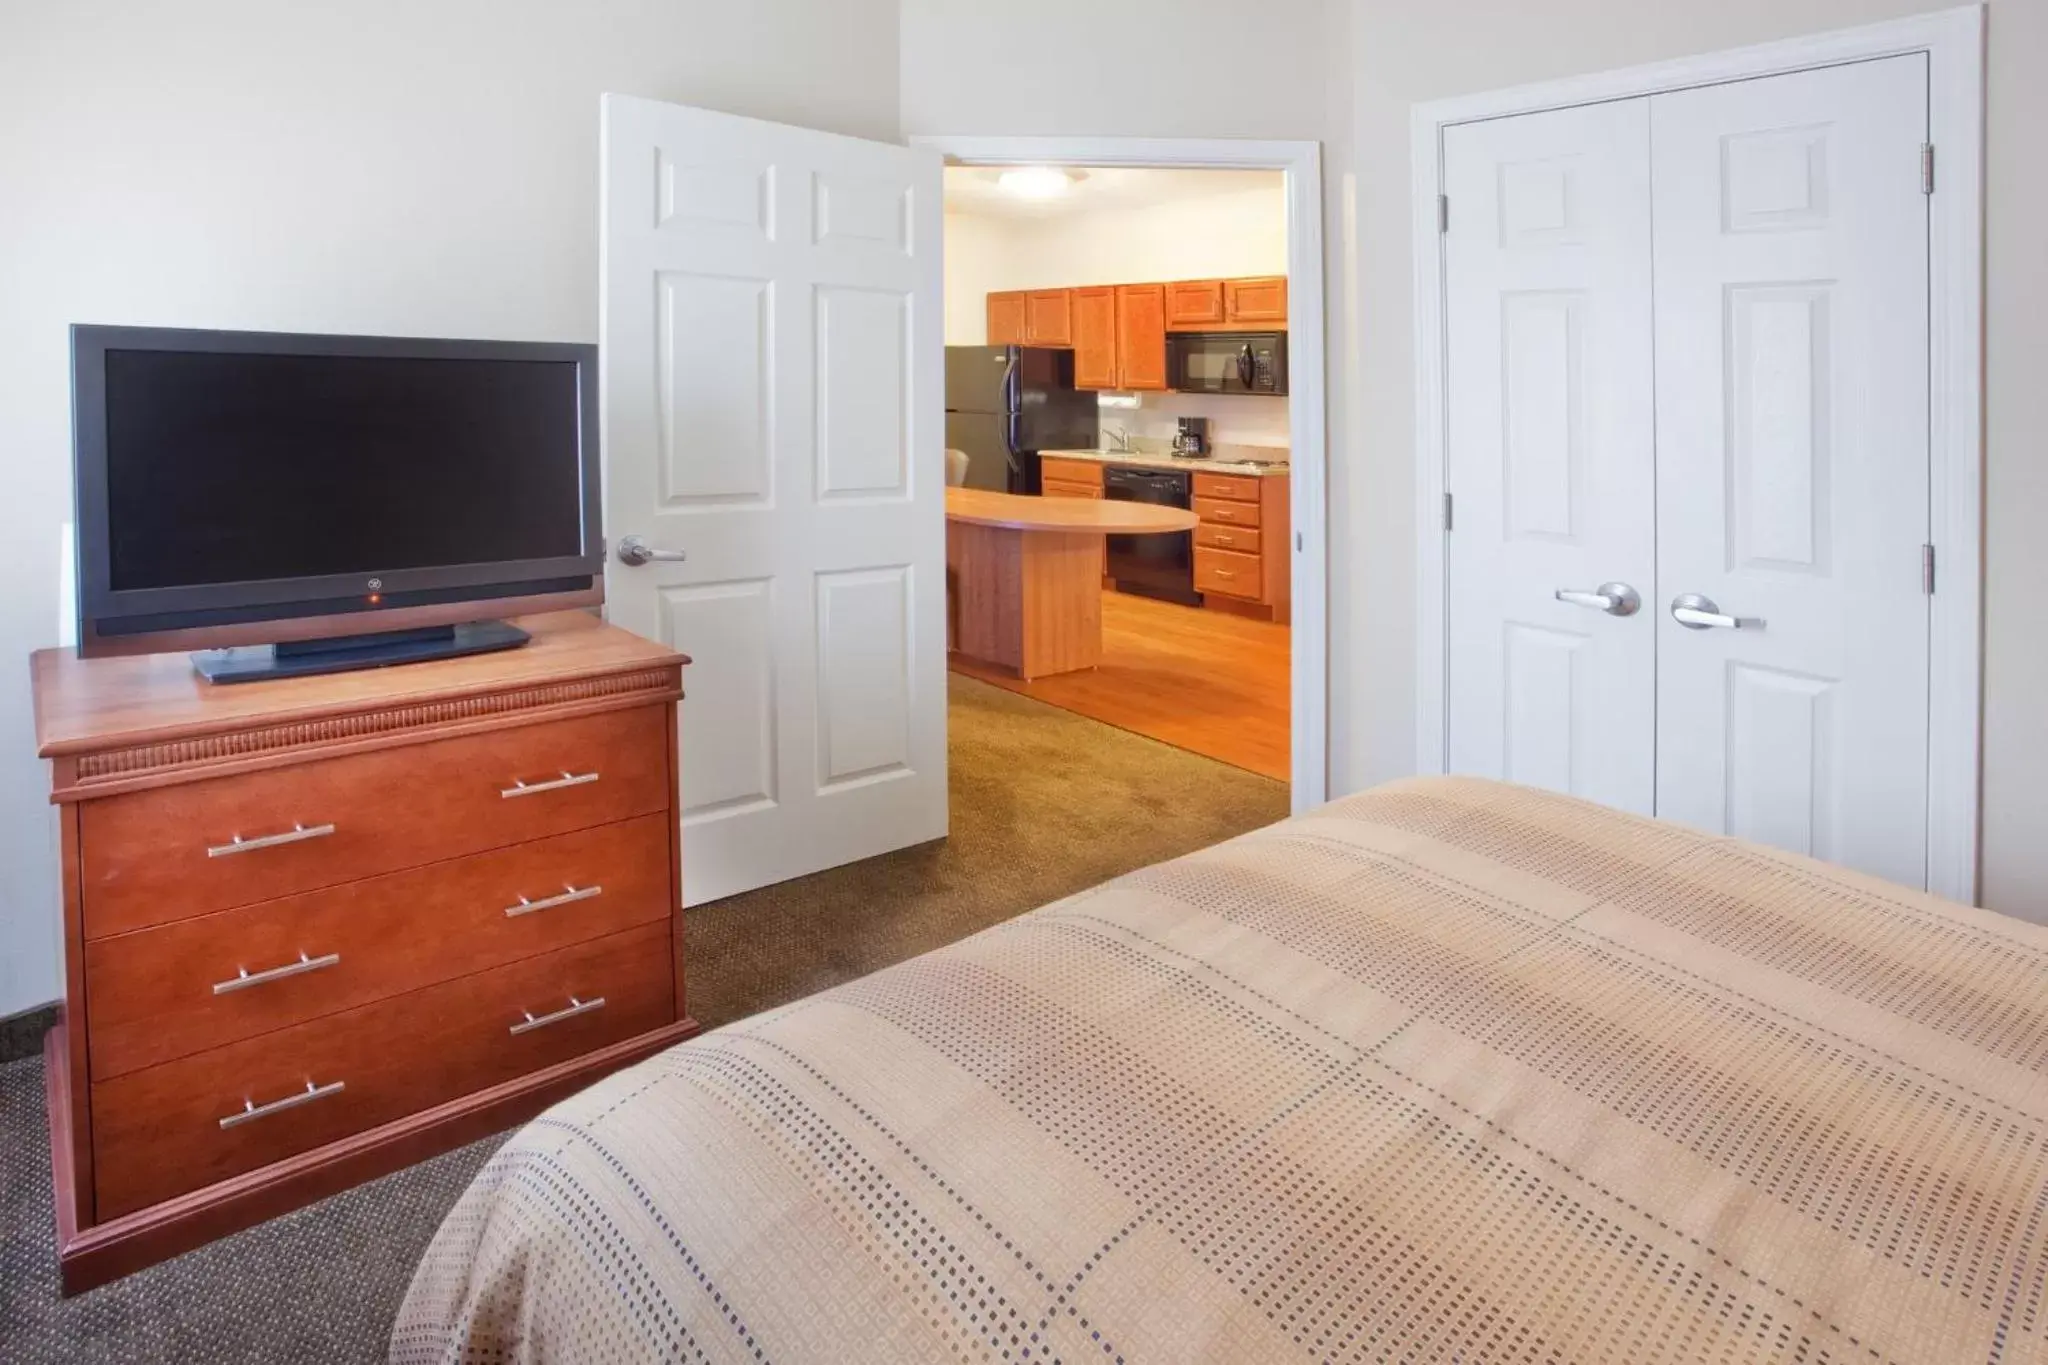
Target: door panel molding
[1953,41]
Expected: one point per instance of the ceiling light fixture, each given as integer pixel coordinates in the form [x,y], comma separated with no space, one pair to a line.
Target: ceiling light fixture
[1035,182]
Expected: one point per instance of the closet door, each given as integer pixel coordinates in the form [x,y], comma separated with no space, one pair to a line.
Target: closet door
[1792,461]
[1550,431]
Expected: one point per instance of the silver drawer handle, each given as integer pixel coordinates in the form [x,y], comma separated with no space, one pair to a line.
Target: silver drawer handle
[253,1110]
[576,1007]
[1699,613]
[245,978]
[297,834]
[1616,599]
[568,894]
[521,787]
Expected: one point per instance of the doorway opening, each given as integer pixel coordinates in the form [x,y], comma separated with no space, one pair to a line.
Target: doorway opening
[1163,302]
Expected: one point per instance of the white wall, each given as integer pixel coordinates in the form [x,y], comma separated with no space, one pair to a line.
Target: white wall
[350,166]
[1348,72]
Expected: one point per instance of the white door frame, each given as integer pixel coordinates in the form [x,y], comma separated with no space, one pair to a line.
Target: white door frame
[1301,164]
[1954,43]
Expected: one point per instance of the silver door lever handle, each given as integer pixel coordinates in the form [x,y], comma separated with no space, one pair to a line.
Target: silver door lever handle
[1695,612]
[636,551]
[1616,599]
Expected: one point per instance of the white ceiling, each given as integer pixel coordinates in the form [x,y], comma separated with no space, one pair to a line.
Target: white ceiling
[973,190]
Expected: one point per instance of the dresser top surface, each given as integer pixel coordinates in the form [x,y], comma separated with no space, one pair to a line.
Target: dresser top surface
[87,704]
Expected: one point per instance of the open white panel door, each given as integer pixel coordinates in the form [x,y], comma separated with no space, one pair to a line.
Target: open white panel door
[772,350]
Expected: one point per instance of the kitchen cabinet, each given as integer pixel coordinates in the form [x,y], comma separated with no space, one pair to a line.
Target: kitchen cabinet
[1260,302]
[1006,318]
[1059,478]
[1118,332]
[1141,336]
[1193,303]
[1093,311]
[1048,318]
[1242,563]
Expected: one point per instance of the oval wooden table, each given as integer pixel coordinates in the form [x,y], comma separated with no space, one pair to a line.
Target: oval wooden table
[1024,575]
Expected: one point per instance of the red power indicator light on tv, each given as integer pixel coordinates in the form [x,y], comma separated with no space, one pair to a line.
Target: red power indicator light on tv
[375,598]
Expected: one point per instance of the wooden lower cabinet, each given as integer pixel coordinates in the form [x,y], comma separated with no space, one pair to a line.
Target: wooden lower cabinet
[1227,572]
[1243,545]
[320,928]
[1059,478]
[1225,512]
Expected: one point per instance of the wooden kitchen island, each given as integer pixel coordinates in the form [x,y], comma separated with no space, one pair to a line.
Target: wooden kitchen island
[1024,575]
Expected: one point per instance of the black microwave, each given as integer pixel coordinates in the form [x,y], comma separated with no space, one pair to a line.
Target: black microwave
[1226,362]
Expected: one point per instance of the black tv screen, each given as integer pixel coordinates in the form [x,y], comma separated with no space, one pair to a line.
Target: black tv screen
[226,468]
[231,481]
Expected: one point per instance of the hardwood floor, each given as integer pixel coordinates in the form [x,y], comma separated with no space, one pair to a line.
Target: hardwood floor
[1204,681]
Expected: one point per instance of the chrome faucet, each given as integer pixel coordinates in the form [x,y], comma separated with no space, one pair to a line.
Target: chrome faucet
[1122,439]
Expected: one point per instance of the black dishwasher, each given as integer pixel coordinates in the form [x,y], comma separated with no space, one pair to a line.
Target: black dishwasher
[1161,566]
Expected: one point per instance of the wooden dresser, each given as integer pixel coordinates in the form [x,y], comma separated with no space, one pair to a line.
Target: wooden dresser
[317,929]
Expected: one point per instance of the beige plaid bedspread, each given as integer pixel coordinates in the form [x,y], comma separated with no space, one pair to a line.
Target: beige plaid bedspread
[1447,1071]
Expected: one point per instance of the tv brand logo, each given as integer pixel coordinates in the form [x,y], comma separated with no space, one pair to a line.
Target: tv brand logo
[376,585]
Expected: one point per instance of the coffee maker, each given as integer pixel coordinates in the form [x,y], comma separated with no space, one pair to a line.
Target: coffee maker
[1192,440]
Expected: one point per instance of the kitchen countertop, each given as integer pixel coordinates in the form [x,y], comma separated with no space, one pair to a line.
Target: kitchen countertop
[1151,459]
[1014,512]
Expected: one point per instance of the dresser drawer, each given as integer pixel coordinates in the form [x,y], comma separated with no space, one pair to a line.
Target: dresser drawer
[155,856]
[157,1132]
[1233,575]
[1231,487]
[1226,513]
[175,989]
[1245,542]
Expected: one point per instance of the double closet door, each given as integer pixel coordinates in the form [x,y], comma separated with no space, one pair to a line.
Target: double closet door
[1687,367]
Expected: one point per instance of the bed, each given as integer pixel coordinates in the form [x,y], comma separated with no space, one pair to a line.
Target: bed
[1446,1071]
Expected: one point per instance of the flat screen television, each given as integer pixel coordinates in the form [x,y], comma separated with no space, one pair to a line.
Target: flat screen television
[298,504]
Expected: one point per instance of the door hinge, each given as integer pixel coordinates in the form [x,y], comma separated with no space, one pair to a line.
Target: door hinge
[1443,213]
[1927,569]
[1926,168]
[1447,511]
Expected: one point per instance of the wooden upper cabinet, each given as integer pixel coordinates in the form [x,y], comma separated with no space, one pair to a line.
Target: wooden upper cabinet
[1006,319]
[1048,318]
[1094,316]
[1261,301]
[1192,303]
[1141,336]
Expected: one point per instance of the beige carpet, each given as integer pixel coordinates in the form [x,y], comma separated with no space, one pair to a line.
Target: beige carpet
[1043,803]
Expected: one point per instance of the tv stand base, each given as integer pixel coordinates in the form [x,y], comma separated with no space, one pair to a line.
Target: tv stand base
[382,649]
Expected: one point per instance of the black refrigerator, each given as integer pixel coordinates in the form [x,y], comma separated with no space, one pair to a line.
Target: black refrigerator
[1004,404]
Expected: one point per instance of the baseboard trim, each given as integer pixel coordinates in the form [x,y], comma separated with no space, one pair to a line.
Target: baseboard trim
[21,1035]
